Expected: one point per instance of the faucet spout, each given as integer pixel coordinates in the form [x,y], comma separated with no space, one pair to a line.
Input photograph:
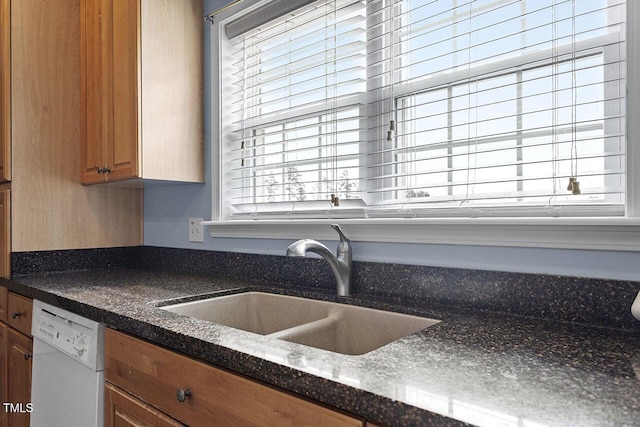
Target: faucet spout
[340,264]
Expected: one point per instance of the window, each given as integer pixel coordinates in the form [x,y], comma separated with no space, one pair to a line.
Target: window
[413,109]
[497,105]
[296,121]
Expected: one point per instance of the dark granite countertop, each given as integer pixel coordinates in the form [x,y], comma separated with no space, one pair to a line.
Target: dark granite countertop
[473,367]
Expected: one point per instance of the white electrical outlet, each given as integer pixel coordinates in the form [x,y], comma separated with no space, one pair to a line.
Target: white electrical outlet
[195,230]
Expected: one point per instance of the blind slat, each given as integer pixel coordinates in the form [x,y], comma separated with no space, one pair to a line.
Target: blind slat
[501,165]
[263,15]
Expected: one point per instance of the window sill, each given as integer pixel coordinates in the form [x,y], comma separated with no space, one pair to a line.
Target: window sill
[620,234]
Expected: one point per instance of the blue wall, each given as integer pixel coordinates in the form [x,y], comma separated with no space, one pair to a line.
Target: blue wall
[167,210]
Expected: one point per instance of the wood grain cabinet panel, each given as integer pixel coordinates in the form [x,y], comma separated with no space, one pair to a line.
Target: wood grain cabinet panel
[211,396]
[19,313]
[4,295]
[96,86]
[124,410]
[5,232]
[122,155]
[4,387]
[5,90]
[18,377]
[16,354]
[5,135]
[141,89]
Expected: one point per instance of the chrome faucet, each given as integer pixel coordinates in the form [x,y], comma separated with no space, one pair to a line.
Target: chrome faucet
[341,265]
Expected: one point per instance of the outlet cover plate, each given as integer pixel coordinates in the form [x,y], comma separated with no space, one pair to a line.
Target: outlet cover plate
[196,233]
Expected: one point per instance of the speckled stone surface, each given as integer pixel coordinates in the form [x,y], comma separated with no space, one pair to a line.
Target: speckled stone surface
[584,300]
[75,259]
[474,367]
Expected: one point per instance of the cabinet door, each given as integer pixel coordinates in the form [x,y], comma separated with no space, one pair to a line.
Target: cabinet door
[109,89]
[20,355]
[122,153]
[5,233]
[4,295]
[5,91]
[3,372]
[123,410]
[96,87]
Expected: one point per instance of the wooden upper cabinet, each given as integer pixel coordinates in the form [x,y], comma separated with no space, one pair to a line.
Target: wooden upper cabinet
[96,87]
[5,231]
[5,90]
[142,86]
[122,156]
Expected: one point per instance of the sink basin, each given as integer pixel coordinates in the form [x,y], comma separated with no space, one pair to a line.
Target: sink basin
[256,312]
[340,328]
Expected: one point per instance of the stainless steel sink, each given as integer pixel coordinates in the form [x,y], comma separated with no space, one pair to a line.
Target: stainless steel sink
[329,326]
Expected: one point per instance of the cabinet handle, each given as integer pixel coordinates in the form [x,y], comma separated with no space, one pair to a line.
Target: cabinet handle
[106,170]
[16,314]
[183,394]
[27,356]
[99,170]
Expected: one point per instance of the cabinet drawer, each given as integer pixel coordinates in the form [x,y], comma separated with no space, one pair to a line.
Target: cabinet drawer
[19,313]
[4,294]
[155,375]
[125,410]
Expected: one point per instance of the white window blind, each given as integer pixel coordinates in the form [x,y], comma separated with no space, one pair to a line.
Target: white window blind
[296,106]
[427,108]
[497,105]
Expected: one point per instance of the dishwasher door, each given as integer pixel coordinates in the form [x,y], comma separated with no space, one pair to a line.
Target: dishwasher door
[67,381]
[64,392]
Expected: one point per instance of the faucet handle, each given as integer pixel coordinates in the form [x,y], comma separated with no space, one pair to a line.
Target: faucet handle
[343,238]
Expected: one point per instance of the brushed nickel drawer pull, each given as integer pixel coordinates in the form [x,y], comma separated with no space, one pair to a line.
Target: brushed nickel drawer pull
[183,394]
[16,314]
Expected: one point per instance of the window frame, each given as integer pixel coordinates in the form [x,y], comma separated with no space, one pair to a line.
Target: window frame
[602,233]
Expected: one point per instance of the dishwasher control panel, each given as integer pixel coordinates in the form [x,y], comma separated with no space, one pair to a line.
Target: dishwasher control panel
[74,335]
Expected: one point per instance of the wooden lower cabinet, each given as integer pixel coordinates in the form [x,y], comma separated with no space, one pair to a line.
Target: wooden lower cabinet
[16,355]
[19,313]
[123,410]
[197,394]
[3,371]
[19,352]
[4,298]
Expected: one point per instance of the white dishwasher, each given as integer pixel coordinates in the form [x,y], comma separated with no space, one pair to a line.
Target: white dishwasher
[68,369]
